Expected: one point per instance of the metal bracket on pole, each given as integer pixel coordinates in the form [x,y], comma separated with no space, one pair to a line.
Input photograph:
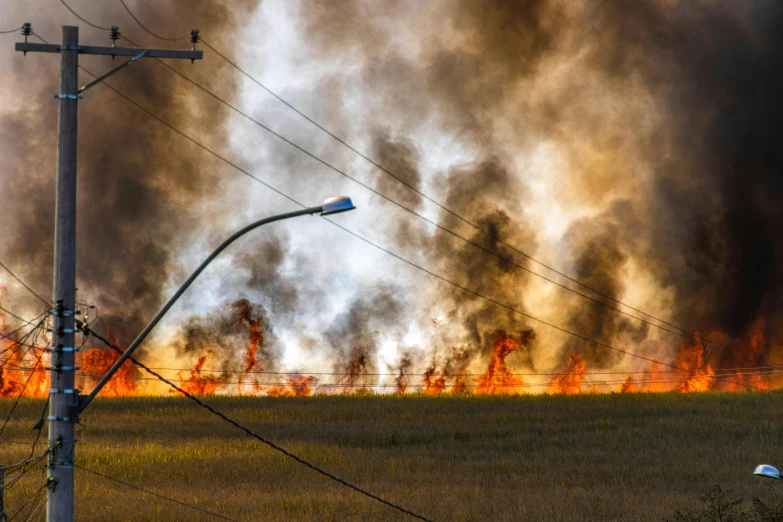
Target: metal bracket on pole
[66,349]
[114,71]
[61,331]
[61,312]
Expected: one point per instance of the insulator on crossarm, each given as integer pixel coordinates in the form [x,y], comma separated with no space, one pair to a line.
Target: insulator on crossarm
[194,39]
[27,30]
[114,35]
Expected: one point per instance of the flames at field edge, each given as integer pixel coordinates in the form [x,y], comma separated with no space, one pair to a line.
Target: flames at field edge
[23,371]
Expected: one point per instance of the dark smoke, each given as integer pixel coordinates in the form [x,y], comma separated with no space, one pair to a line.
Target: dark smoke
[664,115]
[704,219]
[140,186]
[355,333]
[224,334]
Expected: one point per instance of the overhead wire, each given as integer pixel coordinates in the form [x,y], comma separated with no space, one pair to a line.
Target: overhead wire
[22,467]
[33,499]
[389,252]
[11,30]
[77,15]
[37,505]
[150,32]
[259,437]
[754,370]
[9,312]
[26,383]
[683,333]
[18,345]
[375,163]
[12,332]
[153,493]
[405,208]
[658,377]
[44,301]
[386,198]
[40,424]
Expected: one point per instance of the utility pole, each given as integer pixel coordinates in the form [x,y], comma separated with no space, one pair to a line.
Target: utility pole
[3,516]
[63,397]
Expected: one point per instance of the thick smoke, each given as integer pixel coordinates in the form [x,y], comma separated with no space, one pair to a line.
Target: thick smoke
[664,115]
[140,186]
[631,144]
[241,328]
[354,336]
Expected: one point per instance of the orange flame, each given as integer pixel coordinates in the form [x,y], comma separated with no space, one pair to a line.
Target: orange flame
[196,383]
[255,340]
[298,386]
[570,381]
[498,379]
[432,384]
[95,363]
[22,367]
[691,358]
[402,382]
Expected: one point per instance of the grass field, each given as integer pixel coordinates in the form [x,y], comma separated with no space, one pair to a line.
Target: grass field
[591,457]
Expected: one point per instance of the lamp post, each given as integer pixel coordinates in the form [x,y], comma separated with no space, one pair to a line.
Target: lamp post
[765,470]
[333,205]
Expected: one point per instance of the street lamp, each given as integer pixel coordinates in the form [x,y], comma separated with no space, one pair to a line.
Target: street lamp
[765,470]
[333,205]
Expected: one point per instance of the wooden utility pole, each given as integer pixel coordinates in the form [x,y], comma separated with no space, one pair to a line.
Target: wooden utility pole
[63,396]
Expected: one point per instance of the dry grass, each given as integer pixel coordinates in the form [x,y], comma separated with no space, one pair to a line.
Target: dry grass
[604,457]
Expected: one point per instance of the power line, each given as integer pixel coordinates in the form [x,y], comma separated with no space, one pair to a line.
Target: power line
[374,191]
[400,180]
[685,334]
[44,301]
[262,439]
[754,370]
[405,208]
[150,32]
[664,378]
[389,252]
[33,499]
[74,13]
[11,30]
[16,345]
[519,312]
[335,169]
[11,333]
[150,492]
[11,314]
[26,383]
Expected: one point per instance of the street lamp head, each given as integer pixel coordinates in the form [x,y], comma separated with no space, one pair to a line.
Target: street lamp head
[765,470]
[336,204]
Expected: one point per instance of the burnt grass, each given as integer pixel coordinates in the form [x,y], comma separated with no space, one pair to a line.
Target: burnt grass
[572,458]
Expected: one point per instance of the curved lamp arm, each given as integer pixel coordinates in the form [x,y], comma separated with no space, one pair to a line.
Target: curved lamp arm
[330,206]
